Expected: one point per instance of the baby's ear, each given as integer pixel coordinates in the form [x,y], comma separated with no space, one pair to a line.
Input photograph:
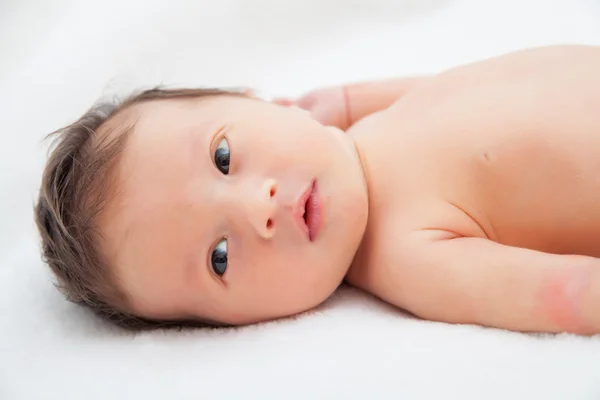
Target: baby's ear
[248,92]
[283,101]
[257,94]
[289,103]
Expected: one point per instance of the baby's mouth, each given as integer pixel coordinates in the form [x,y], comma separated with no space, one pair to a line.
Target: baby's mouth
[309,209]
[304,215]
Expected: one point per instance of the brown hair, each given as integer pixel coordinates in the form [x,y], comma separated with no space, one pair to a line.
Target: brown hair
[75,188]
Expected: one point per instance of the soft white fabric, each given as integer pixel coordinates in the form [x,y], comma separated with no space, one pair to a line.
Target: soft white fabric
[58,56]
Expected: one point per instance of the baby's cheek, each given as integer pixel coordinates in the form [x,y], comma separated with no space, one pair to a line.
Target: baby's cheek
[562,296]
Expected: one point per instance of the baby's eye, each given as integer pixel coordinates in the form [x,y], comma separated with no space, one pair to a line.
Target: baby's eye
[218,259]
[222,156]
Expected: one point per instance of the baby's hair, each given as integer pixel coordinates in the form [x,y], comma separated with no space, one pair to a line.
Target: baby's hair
[77,183]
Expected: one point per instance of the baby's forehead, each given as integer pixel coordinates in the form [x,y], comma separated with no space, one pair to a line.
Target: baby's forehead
[166,128]
[153,168]
[174,117]
[164,135]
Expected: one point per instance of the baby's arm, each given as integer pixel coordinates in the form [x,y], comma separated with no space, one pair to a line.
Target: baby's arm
[342,106]
[475,280]
[369,97]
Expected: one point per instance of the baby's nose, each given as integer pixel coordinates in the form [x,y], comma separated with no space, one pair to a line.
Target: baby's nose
[262,209]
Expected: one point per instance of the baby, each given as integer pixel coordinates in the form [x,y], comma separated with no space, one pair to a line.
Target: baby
[470,197]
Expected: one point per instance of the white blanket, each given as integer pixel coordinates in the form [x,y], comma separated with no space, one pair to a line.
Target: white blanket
[57,57]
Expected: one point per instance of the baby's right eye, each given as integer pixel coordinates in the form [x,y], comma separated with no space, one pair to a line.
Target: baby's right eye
[222,156]
[218,258]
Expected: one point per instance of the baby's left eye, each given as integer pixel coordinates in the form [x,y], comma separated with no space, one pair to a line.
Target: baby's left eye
[222,157]
[218,258]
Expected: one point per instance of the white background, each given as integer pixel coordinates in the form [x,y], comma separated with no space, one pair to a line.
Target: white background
[57,57]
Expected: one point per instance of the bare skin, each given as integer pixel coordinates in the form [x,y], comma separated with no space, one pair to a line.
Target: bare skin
[482,184]
[177,210]
[484,195]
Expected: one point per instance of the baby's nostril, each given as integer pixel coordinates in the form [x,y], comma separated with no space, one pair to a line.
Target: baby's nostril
[269,223]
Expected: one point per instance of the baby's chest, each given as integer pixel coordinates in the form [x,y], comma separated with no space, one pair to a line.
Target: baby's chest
[532,188]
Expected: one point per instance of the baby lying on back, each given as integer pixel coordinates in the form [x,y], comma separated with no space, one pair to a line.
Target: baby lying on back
[471,196]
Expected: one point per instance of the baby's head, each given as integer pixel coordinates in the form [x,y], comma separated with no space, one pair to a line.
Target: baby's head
[200,206]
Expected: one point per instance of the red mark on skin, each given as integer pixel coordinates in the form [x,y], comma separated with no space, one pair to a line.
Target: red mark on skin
[561,298]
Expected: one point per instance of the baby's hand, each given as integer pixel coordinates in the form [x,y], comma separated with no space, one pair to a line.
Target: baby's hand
[342,106]
[329,106]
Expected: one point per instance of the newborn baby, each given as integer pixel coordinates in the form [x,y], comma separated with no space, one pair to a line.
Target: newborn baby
[472,196]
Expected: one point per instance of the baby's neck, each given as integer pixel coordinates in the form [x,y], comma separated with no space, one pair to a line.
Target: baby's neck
[356,263]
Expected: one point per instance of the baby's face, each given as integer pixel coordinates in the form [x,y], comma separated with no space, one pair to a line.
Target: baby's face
[209,221]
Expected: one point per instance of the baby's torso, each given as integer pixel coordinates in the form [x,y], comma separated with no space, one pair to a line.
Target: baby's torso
[490,151]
